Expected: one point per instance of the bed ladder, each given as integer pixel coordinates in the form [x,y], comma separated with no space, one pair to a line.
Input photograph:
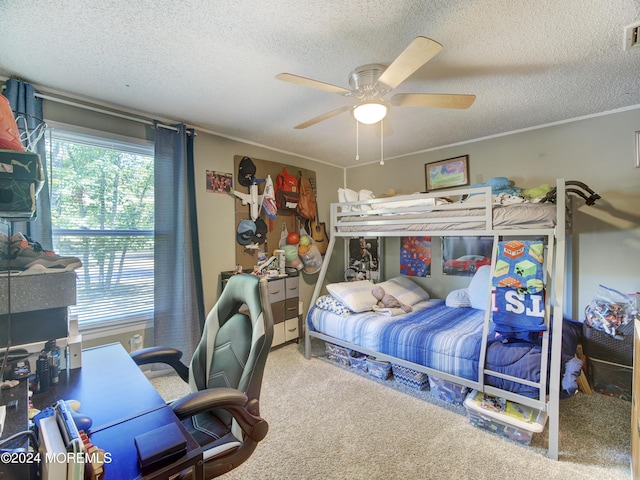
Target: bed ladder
[551,339]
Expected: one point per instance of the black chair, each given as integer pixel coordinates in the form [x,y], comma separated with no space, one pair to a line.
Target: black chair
[222,412]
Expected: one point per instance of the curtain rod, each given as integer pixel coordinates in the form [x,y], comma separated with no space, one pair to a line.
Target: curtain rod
[103,111]
[95,109]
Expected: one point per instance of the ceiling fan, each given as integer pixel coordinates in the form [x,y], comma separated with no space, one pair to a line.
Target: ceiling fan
[370,83]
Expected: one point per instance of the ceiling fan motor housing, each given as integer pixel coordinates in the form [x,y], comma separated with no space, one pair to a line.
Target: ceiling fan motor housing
[363,81]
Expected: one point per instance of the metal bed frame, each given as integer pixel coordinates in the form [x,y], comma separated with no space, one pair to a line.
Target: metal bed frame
[376,223]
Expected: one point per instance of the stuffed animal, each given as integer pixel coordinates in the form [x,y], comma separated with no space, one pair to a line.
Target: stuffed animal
[388,301]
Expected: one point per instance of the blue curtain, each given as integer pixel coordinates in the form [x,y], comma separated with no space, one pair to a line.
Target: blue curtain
[27,108]
[178,294]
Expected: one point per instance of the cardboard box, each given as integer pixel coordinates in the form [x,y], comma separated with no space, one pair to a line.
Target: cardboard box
[21,178]
[74,352]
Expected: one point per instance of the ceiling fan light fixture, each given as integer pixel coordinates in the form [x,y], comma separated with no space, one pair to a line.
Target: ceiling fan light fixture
[370,112]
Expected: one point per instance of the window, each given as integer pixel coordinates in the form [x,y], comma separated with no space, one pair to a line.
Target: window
[102,205]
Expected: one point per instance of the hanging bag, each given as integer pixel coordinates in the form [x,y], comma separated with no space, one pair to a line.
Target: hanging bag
[287,193]
[9,133]
[307,203]
[309,254]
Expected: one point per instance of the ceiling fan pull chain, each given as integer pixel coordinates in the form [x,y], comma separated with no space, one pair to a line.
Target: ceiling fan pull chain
[357,141]
[381,145]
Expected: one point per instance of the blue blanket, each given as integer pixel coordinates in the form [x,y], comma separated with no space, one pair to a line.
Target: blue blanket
[443,338]
[434,335]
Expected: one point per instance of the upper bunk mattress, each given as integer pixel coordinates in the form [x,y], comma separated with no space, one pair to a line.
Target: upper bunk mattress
[521,215]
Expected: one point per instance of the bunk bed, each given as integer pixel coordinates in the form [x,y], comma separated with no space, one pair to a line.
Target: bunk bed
[475,213]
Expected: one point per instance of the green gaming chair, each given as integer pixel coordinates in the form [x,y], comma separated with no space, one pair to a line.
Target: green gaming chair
[222,412]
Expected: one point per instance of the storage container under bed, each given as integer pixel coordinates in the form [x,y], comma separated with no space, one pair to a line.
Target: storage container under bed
[503,417]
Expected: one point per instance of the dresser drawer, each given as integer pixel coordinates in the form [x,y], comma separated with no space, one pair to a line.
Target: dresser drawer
[279,334]
[291,330]
[276,290]
[291,308]
[292,287]
[278,311]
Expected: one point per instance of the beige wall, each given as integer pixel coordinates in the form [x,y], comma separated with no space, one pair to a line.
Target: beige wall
[598,151]
[216,219]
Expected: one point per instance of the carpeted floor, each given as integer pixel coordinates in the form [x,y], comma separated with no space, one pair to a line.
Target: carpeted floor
[330,422]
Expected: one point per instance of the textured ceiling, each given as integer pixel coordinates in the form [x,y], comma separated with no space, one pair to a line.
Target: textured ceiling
[212,64]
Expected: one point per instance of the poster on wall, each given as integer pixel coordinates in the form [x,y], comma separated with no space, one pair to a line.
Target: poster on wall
[464,255]
[415,256]
[218,182]
[364,259]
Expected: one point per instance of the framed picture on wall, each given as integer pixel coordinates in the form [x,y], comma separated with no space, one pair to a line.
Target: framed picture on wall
[464,255]
[219,182]
[452,172]
[364,259]
[415,256]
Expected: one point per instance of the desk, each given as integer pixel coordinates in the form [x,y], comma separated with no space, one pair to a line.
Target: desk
[118,441]
[110,387]
[122,404]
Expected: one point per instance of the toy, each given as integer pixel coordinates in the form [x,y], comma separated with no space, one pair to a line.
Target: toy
[293,238]
[388,301]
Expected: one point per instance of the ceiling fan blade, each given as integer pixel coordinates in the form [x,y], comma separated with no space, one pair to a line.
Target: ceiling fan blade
[433,100]
[308,82]
[324,116]
[419,52]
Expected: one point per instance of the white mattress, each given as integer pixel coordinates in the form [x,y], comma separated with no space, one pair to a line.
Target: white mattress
[521,215]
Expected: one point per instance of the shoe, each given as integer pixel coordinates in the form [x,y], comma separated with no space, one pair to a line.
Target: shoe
[27,255]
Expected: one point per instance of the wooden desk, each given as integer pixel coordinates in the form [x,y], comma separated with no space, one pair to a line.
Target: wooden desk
[122,404]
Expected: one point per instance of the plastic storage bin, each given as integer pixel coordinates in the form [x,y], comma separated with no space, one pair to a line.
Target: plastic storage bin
[503,417]
[378,368]
[447,391]
[409,377]
[359,361]
[338,354]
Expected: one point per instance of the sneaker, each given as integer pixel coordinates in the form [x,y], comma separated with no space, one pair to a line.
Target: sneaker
[27,255]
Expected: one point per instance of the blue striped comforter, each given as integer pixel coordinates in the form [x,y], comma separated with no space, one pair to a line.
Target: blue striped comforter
[434,335]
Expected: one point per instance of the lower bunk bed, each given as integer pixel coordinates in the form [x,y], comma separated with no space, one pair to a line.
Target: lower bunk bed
[441,338]
[446,343]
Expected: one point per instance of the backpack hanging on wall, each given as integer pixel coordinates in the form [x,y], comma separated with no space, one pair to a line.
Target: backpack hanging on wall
[287,194]
[307,203]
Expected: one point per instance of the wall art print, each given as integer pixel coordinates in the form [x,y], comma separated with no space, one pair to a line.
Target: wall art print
[464,255]
[415,256]
[452,172]
[364,259]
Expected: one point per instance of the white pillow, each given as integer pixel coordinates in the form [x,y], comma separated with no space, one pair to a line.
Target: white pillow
[479,288]
[348,195]
[356,296]
[458,298]
[365,195]
[405,290]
